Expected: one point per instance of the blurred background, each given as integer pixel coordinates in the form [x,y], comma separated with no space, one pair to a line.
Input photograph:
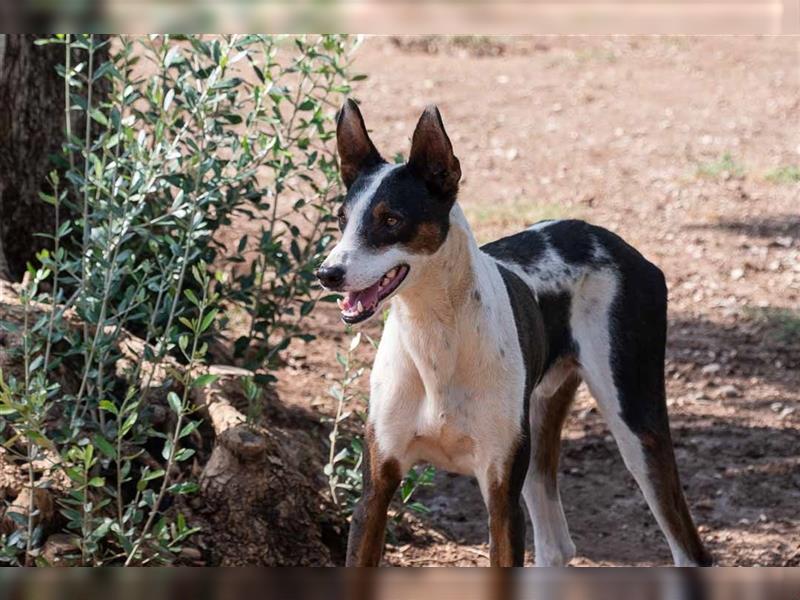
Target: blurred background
[406,17]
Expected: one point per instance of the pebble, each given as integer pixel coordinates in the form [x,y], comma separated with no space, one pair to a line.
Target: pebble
[728,391]
[711,369]
[737,274]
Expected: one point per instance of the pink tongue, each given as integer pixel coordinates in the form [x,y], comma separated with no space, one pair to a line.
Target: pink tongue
[367,297]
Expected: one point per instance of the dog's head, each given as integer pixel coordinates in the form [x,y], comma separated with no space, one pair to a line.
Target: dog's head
[393,217]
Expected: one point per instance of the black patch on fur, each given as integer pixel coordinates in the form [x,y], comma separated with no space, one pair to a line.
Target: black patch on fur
[404,196]
[638,337]
[524,248]
[572,240]
[530,329]
[556,309]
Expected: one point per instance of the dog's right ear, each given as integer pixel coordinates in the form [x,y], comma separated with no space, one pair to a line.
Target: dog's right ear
[356,150]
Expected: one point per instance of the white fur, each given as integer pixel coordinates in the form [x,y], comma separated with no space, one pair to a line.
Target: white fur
[440,390]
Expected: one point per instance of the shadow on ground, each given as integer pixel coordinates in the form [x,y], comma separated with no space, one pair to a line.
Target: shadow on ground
[765,345]
[766,227]
[755,488]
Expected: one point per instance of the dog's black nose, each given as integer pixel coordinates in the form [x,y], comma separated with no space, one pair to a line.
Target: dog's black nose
[331,277]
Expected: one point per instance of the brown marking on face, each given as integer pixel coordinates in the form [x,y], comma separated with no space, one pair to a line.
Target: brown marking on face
[428,238]
[367,529]
[380,210]
[548,438]
[663,474]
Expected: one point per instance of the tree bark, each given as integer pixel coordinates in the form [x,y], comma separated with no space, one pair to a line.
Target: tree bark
[31,129]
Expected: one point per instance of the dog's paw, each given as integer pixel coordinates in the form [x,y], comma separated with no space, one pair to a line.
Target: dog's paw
[555,555]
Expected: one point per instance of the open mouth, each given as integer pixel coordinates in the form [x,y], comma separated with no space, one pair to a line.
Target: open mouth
[362,304]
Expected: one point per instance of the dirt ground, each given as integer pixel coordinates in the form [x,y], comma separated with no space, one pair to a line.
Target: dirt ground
[687,147]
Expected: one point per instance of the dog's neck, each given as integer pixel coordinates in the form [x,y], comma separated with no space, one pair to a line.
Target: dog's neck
[441,290]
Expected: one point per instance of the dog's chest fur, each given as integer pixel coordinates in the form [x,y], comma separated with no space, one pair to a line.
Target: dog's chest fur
[448,384]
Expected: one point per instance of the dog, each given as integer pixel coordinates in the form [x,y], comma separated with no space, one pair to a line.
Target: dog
[484,349]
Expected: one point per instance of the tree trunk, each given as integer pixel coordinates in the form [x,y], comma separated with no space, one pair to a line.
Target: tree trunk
[31,129]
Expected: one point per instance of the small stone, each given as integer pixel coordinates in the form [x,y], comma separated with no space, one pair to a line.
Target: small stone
[728,391]
[711,369]
[737,274]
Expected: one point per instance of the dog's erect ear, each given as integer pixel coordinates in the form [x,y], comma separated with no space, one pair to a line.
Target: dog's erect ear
[356,150]
[432,155]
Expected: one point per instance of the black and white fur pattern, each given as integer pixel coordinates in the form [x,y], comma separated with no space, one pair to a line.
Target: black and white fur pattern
[452,377]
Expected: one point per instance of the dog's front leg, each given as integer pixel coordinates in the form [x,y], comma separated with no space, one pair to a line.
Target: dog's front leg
[380,477]
[503,490]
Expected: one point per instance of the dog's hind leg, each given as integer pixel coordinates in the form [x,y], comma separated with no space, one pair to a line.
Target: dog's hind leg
[621,336]
[549,410]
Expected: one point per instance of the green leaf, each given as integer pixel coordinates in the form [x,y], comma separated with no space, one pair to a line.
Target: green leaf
[129,423]
[184,454]
[104,446]
[208,320]
[168,98]
[175,403]
[99,117]
[108,406]
[157,474]
[183,487]
[166,451]
[97,482]
[205,380]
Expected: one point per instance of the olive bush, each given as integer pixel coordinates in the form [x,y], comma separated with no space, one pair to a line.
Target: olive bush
[180,139]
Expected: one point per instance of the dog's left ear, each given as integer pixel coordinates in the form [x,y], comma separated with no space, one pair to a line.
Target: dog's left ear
[432,156]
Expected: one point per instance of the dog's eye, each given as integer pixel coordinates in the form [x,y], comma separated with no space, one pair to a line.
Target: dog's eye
[340,216]
[391,221]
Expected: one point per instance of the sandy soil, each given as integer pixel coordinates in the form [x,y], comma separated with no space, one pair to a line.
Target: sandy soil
[680,145]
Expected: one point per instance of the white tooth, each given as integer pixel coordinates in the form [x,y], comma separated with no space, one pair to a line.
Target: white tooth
[340,303]
[359,306]
[392,273]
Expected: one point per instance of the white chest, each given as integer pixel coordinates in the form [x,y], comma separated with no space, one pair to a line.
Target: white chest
[454,409]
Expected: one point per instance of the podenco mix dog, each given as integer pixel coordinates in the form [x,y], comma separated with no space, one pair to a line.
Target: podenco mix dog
[484,349]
